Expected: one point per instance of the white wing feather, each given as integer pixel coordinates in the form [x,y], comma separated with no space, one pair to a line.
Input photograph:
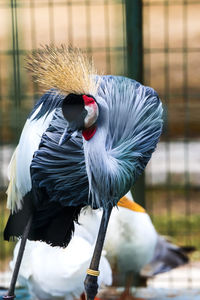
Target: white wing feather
[19,167]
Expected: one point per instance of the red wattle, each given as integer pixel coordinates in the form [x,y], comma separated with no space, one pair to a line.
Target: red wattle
[89,132]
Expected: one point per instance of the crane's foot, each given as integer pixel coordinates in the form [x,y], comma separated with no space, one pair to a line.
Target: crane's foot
[91,287]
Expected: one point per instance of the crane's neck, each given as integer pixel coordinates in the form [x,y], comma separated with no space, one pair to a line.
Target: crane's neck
[101,167]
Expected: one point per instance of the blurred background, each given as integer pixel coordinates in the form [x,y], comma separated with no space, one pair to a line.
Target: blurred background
[157,42]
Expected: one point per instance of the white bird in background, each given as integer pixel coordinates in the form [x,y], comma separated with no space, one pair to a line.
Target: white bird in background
[131,243]
[58,273]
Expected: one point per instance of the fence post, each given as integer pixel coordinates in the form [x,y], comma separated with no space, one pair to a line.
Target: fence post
[135,67]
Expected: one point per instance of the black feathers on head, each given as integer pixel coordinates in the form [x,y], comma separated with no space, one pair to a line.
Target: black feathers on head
[74,112]
[72,107]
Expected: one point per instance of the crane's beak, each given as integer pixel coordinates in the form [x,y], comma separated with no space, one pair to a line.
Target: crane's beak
[67,134]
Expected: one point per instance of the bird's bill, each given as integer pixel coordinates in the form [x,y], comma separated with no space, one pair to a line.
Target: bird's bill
[67,134]
[127,203]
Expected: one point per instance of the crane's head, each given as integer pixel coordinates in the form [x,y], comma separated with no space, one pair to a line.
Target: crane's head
[70,72]
[81,112]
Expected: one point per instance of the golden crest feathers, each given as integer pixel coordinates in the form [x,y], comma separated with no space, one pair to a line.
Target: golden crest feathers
[66,69]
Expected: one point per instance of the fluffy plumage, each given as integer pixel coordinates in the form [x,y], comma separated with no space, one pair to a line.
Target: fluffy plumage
[52,223]
[96,172]
[129,127]
[107,165]
[67,69]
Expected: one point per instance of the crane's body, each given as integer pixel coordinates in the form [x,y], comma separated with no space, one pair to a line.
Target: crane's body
[88,139]
[55,179]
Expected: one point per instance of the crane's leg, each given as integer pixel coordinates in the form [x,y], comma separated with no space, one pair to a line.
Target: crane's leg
[11,291]
[91,286]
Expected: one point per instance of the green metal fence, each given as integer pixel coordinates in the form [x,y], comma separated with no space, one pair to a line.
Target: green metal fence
[161,42]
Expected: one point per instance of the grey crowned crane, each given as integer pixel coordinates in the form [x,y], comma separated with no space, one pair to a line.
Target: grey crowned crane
[86,142]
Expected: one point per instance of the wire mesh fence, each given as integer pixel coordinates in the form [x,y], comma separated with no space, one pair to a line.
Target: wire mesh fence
[171,64]
[171,46]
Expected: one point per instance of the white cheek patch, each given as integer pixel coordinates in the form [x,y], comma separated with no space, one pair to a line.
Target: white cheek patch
[92,115]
